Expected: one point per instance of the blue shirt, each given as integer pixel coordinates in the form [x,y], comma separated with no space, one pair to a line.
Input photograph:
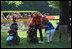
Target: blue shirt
[49,26]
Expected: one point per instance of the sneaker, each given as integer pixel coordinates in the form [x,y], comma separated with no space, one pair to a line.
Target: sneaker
[47,42]
[40,42]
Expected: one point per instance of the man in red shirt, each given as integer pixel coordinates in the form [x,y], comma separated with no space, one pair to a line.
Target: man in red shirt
[37,21]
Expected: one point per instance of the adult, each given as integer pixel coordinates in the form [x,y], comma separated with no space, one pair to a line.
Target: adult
[37,21]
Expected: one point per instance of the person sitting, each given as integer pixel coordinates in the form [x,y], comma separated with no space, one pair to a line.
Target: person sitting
[31,34]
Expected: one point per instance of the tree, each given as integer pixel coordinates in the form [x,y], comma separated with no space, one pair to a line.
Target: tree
[17,3]
[64,7]
[41,6]
[54,4]
[65,13]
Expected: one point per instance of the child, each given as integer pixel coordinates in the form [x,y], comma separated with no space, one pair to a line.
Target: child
[49,29]
[32,35]
[13,38]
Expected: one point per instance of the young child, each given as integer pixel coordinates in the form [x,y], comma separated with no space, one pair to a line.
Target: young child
[31,34]
[13,38]
[49,29]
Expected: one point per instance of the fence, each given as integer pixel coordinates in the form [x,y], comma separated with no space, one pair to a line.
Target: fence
[22,24]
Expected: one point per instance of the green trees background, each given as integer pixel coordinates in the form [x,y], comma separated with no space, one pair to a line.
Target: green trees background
[41,6]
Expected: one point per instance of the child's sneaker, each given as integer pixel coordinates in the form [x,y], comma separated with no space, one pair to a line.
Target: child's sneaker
[41,42]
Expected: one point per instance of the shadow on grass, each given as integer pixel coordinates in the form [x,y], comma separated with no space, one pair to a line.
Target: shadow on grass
[25,44]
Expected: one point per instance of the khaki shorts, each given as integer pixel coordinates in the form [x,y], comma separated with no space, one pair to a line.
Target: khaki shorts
[63,29]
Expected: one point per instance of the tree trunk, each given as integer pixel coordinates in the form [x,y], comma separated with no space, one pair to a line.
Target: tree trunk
[64,13]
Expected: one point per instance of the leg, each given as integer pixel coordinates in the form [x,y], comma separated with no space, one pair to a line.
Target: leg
[36,29]
[60,32]
[52,33]
[41,36]
[60,36]
[36,32]
[48,36]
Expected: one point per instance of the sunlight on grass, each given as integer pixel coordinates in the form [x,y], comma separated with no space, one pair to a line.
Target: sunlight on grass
[22,34]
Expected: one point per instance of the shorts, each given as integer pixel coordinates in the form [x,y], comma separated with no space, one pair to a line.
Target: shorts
[10,37]
[50,31]
[63,29]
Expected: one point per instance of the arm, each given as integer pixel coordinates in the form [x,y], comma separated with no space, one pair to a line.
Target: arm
[45,26]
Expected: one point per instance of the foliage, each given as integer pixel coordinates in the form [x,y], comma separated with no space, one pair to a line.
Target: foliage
[17,3]
[54,4]
[41,6]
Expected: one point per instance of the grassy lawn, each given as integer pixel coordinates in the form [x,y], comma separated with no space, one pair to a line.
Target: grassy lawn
[64,43]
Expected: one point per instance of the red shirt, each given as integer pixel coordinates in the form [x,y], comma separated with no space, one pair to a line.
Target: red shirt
[43,17]
[37,20]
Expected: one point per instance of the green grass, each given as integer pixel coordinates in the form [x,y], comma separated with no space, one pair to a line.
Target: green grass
[64,43]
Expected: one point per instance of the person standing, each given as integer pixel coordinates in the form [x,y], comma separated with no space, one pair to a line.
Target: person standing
[50,31]
[37,21]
